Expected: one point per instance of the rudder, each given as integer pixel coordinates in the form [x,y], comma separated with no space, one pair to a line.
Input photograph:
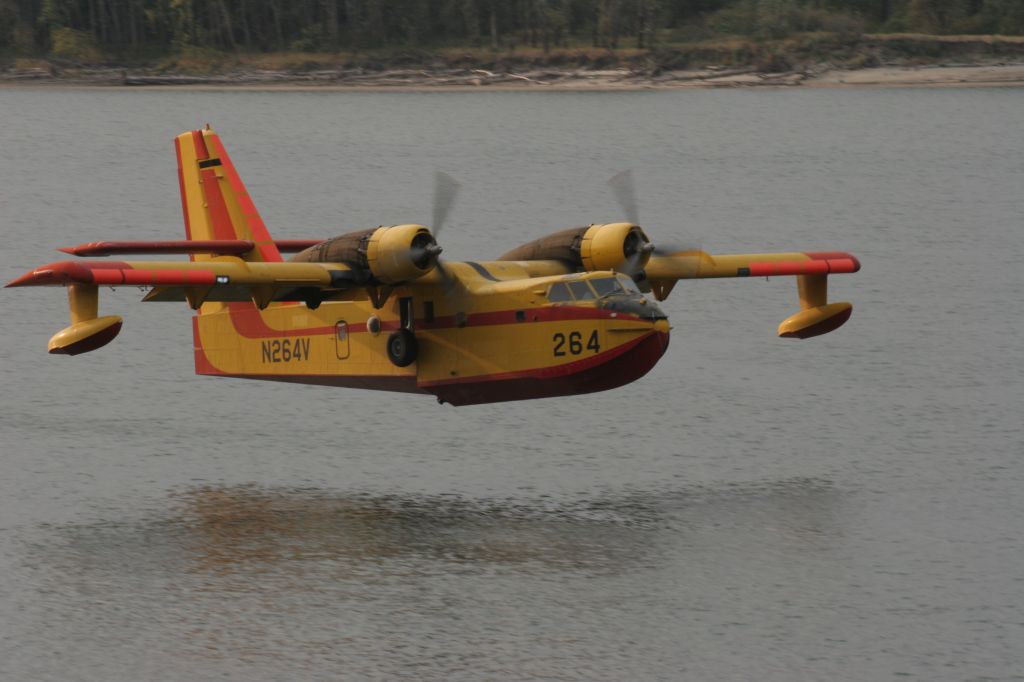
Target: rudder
[214,200]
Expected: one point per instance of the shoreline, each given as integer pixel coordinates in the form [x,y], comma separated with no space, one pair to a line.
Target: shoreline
[555,80]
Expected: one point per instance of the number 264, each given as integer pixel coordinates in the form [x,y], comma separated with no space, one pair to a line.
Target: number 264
[574,343]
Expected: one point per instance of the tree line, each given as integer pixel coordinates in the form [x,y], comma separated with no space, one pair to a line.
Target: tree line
[86,29]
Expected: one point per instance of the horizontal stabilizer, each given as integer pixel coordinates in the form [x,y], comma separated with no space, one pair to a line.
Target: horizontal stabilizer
[223,247]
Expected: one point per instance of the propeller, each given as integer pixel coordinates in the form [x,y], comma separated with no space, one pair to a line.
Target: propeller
[624,190]
[424,248]
[636,248]
[625,193]
[445,190]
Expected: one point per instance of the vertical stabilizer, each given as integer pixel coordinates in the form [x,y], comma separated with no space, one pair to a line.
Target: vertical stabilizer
[214,200]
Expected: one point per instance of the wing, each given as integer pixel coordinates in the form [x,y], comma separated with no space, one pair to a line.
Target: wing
[817,316]
[225,279]
[701,265]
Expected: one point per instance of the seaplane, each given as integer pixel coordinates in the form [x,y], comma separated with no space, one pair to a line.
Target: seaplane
[573,312]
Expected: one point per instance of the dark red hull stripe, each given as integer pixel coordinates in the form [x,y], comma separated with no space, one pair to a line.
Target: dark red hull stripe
[549,372]
[617,371]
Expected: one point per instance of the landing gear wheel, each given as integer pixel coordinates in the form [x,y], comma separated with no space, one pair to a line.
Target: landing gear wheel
[402,348]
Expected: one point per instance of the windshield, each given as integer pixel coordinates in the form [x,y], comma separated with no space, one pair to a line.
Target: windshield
[628,284]
[606,286]
[559,293]
[581,291]
[584,290]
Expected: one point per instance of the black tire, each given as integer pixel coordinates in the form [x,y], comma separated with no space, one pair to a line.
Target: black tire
[402,348]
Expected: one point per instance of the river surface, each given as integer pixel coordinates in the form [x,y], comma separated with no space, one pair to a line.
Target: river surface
[844,508]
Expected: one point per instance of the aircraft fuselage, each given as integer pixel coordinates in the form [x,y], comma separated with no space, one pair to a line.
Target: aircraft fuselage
[480,338]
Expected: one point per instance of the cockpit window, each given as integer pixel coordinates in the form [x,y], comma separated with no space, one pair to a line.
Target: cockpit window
[559,293]
[606,286]
[628,284]
[581,291]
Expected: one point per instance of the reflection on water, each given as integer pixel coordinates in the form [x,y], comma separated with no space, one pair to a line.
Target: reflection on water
[226,529]
[218,577]
[234,528]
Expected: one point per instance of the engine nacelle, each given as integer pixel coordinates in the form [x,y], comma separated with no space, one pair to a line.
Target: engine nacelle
[390,255]
[613,246]
[401,253]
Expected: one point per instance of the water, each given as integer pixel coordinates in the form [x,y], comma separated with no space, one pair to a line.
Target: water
[845,508]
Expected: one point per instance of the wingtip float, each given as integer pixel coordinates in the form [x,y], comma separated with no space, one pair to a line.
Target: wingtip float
[378,309]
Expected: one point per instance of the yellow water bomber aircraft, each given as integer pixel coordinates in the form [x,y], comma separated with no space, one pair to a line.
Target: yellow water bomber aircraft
[378,309]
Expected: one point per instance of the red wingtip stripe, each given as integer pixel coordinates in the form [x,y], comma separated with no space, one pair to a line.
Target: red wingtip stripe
[833,263]
[839,261]
[807,267]
[843,265]
[111,273]
[63,272]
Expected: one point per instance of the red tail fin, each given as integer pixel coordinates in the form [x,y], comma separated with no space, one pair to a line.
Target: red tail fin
[214,200]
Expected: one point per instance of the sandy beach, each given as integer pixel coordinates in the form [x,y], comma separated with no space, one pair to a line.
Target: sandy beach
[1003,75]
